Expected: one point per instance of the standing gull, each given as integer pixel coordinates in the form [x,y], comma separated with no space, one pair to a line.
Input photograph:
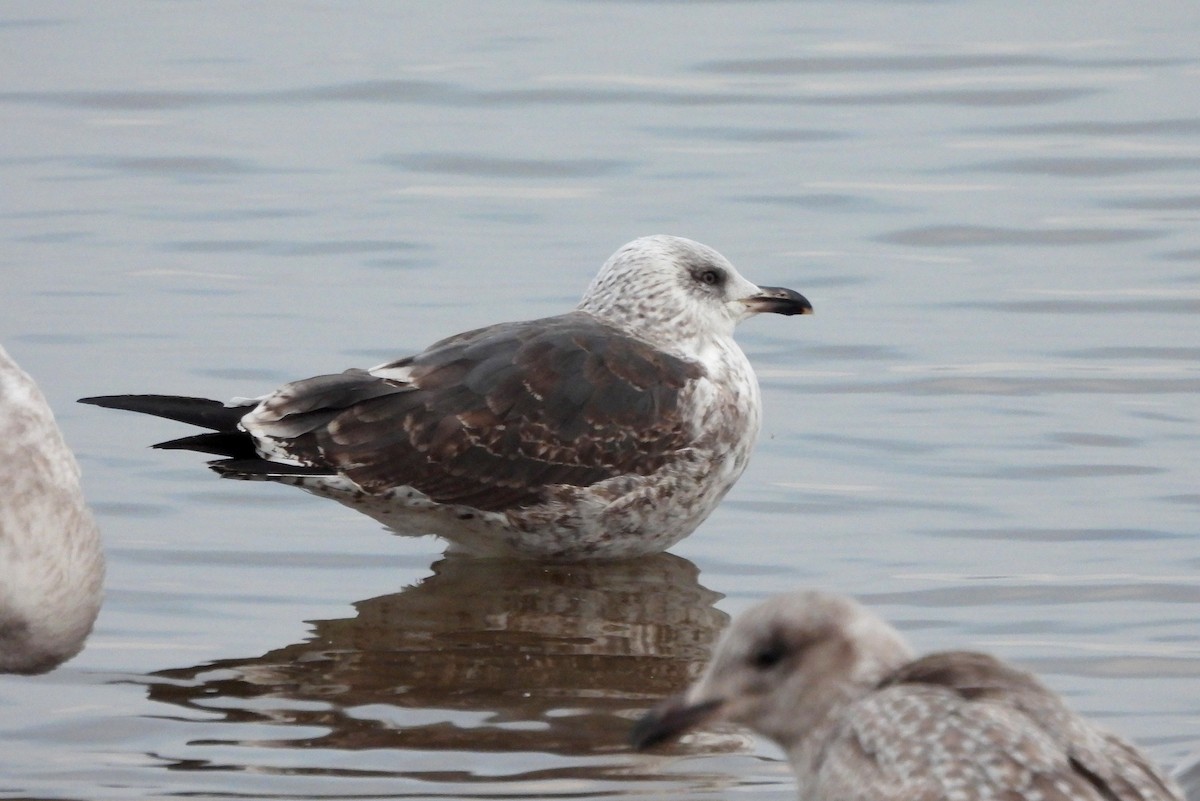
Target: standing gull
[862,720]
[610,431]
[51,563]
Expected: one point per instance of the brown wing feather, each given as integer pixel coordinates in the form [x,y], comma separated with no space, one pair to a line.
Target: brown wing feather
[1120,772]
[490,416]
[999,733]
[970,674]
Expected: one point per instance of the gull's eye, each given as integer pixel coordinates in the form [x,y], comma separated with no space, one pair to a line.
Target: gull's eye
[770,655]
[709,277]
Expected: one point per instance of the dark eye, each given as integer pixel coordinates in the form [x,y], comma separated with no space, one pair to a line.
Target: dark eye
[710,277]
[769,655]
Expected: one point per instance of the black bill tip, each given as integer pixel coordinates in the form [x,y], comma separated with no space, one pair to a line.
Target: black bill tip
[779,300]
[668,720]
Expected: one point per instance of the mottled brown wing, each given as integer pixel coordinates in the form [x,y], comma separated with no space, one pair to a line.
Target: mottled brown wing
[1121,772]
[488,418]
[926,743]
[966,725]
[974,675]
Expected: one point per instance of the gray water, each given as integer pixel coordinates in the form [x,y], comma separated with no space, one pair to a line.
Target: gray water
[988,431]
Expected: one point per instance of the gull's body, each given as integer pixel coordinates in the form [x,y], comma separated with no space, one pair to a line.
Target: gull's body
[861,719]
[610,431]
[51,562]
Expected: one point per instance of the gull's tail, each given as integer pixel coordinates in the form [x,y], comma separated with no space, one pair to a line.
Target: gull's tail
[225,438]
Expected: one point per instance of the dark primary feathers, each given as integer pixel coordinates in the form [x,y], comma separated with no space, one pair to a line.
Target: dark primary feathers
[483,418]
[195,411]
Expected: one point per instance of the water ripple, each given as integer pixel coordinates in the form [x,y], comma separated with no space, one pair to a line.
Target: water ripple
[916,62]
[1081,167]
[988,235]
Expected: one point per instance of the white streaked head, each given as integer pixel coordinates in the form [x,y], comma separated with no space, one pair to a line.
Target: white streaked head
[672,291]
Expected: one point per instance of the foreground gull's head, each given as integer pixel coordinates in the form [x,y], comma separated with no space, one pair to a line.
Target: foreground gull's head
[861,720]
[667,289]
[784,668]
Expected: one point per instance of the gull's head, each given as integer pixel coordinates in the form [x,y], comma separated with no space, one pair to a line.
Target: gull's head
[666,287]
[786,669]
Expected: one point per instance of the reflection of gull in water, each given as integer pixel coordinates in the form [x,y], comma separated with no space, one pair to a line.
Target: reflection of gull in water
[860,718]
[51,565]
[610,431]
[484,655]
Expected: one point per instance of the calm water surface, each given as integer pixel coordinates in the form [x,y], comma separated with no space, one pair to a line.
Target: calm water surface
[989,429]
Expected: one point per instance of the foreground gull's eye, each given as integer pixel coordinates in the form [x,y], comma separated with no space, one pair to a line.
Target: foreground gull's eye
[710,277]
[769,655]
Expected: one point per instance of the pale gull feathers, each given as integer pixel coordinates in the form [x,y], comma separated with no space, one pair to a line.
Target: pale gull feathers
[861,719]
[610,431]
[51,562]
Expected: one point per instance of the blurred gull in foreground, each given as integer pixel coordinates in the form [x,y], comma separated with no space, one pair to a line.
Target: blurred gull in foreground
[51,564]
[862,720]
[610,431]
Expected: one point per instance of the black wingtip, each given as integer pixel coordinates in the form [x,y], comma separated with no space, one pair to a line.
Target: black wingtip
[233,444]
[201,412]
[107,401]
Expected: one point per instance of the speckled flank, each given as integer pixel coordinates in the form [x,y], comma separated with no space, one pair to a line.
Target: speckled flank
[861,720]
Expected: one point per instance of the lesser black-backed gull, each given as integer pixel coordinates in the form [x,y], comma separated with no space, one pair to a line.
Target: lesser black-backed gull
[610,431]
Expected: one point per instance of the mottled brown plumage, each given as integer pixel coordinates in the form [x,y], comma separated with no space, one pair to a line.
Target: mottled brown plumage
[488,419]
[609,431]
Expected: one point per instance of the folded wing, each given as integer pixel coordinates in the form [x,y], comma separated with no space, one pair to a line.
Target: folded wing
[489,417]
